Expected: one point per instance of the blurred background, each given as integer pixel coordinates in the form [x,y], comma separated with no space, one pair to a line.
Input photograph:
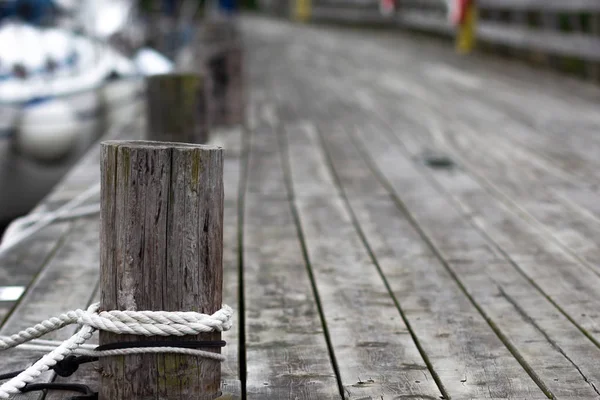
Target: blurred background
[71,69]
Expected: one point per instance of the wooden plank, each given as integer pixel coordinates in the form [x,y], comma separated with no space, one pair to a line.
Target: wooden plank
[468,111]
[537,259]
[283,326]
[576,382]
[571,226]
[366,354]
[503,168]
[53,292]
[231,140]
[494,105]
[265,175]
[18,268]
[408,189]
[526,244]
[488,287]
[494,165]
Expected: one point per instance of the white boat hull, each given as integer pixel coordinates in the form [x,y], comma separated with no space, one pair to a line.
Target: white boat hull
[25,180]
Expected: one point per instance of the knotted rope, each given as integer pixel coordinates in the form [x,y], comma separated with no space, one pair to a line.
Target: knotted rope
[144,323]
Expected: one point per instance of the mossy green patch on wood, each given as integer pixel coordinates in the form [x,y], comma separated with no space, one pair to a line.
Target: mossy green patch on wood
[197,166]
[125,164]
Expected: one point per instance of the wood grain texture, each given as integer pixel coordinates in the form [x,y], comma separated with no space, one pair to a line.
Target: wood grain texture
[231,141]
[177,108]
[419,273]
[287,354]
[507,312]
[53,292]
[486,268]
[162,249]
[350,288]
[518,238]
[502,306]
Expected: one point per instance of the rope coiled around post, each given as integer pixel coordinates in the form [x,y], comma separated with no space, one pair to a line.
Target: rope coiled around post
[143,323]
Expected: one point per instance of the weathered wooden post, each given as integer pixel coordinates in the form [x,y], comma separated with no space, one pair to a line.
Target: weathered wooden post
[594,68]
[161,250]
[220,52]
[177,109]
[235,94]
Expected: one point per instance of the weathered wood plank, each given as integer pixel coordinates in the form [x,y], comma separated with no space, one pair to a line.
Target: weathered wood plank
[283,326]
[53,292]
[569,366]
[19,267]
[494,165]
[522,240]
[366,354]
[524,244]
[487,287]
[343,164]
[231,141]
[265,173]
[540,169]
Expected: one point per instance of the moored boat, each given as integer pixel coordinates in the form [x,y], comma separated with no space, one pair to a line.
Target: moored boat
[59,90]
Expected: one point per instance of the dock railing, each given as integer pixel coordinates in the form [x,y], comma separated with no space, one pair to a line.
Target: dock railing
[564,34]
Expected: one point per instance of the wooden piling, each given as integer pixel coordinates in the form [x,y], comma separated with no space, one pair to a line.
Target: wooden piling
[177,108]
[161,249]
[220,53]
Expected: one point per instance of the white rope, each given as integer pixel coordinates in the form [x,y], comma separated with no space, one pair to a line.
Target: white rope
[146,323]
[150,350]
[22,223]
[46,219]
[19,230]
[88,350]
[46,344]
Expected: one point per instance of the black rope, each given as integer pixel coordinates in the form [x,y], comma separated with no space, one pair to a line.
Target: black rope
[70,364]
[192,344]
[65,368]
[9,375]
[86,391]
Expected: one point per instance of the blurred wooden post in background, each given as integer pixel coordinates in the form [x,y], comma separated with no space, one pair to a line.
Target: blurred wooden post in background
[594,70]
[220,52]
[177,108]
[302,10]
[154,256]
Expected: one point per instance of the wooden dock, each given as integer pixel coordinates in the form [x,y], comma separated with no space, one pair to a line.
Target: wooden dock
[400,223]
